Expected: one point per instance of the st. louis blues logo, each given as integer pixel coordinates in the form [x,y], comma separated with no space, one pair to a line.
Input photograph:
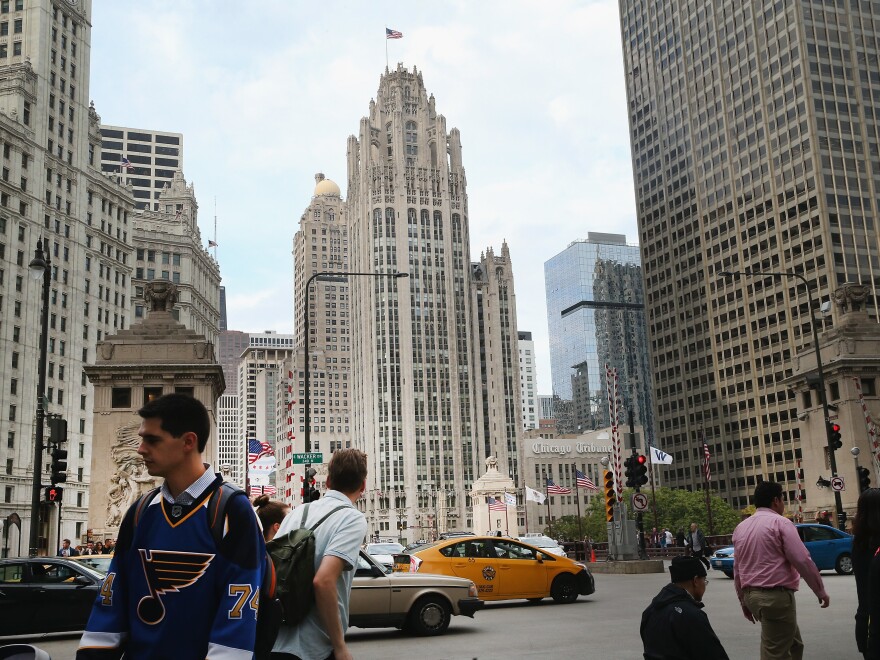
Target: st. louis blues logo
[168,571]
[489,573]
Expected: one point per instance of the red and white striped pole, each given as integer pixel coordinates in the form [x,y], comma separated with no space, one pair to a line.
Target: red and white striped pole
[613,415]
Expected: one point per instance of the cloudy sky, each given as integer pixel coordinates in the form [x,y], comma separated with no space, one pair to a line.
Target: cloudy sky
[266,93]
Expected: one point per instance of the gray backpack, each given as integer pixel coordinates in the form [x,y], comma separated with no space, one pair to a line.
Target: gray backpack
[293,555]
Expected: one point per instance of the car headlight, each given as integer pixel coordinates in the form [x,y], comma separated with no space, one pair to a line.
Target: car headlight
[472,591]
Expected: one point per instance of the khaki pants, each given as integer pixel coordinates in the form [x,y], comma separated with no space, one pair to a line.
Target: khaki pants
[775,610]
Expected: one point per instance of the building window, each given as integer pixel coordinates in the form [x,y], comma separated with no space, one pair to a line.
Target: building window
[151,393]
[834,390]
[120,397]
[869,386]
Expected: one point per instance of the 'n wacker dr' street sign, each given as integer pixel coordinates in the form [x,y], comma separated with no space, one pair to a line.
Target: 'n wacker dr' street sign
[312,457]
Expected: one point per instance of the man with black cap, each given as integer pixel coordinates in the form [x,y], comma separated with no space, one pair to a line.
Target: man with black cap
[674,625]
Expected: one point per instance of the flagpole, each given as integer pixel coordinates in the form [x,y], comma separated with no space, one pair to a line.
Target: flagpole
[651,478]
[506,513]
[706,478]
[526,507]
[549,519]
[386,47]
[489,510]
[577,498]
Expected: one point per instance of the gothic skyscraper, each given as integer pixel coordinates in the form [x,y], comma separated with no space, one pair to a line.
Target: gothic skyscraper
[429,401]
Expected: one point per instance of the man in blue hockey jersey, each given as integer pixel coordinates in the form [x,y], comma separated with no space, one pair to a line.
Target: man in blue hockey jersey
[172,591]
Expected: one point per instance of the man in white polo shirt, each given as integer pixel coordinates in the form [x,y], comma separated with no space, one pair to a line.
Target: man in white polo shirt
[321,635]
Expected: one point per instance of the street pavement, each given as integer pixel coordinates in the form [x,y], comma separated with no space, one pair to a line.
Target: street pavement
[604,625]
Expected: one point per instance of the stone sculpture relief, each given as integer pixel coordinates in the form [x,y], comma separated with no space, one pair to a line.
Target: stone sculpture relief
[160,295]
[130,479]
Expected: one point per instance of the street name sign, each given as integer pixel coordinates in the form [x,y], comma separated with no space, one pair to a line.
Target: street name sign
[311,457]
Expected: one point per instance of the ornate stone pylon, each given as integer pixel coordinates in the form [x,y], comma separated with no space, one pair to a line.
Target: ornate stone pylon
[155,357]
[493,484]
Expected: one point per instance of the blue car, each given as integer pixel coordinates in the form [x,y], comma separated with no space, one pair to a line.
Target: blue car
[829,548]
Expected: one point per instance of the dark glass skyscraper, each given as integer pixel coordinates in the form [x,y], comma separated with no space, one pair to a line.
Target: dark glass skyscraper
[595,316]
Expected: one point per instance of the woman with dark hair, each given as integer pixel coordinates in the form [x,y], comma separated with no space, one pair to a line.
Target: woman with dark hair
[270,513]
[866,541]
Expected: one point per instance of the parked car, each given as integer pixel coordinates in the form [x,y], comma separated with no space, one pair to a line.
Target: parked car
[98,563]
[418,603]
[544,543]
[829,548]
[45,595]
[505,569]
[384,553]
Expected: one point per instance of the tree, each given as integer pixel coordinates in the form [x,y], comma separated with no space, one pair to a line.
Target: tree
[676,509]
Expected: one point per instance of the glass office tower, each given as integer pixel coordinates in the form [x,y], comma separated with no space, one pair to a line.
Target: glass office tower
[595,315]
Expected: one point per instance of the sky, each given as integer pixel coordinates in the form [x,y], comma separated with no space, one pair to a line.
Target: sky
[266,93]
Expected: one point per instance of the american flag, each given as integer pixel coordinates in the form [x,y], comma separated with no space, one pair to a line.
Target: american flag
[553,489]
[257,449]
[706,461]
[393,34]
[496,505]
[256,491]
[126,164]
[583,481]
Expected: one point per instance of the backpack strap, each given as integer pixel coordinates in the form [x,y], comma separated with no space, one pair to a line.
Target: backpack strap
[315,526]
[217,509]
[305,515]
[145,499]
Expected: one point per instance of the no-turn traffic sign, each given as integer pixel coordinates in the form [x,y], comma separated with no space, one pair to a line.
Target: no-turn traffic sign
[639,502]
[837,484]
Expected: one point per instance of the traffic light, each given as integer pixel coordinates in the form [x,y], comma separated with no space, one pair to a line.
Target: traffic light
[630,465]
[59,466]
[54,493]
[57,430]
[641,470]
[311,492]
[610,495]
[864,478]
[834,440]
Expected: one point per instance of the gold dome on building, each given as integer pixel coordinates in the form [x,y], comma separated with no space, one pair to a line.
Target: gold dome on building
[325,187]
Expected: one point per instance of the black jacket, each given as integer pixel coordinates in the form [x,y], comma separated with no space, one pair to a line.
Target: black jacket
[675,627]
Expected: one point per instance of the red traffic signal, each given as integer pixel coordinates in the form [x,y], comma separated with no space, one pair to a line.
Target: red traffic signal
[642,459]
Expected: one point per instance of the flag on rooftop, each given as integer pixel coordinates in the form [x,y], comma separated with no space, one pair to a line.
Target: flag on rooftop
[126,164]
[211,243]
[510,498]
[393,34]
[583,481]
[496,505]
[553,489]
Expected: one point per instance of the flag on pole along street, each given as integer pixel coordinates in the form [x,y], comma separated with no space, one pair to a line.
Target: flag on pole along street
[496,505]
[660,457]
[535,495]
[257,449]
[269,490]
[393,34]
[510,498]
[706,462]
[583,481]
[553,489]
[256,491]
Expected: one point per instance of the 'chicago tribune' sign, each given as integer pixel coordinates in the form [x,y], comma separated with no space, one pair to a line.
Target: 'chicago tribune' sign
[580,448]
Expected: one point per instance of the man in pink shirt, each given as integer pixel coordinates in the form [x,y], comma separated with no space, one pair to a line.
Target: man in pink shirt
[770,561]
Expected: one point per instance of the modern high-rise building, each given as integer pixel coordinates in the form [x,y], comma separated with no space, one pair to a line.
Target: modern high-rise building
[528,385]
[545,401]
[154,157]
[420,377]
[755,132]
[596,322]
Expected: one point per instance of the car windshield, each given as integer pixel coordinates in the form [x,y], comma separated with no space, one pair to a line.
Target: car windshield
[384,548]
[541,542]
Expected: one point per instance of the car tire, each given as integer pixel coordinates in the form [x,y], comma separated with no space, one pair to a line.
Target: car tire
[844,565]
[429,616]
[564,589]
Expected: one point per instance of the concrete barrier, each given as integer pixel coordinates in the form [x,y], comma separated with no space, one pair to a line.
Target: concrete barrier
[633,567]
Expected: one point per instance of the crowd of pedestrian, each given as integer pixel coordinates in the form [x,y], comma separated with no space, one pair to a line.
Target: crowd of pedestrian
[90,548]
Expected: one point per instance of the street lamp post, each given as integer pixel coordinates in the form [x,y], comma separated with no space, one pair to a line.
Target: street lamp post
[823,398]
[40,266]
[326,276]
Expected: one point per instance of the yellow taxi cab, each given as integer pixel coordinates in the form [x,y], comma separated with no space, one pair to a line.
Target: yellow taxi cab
[504,569]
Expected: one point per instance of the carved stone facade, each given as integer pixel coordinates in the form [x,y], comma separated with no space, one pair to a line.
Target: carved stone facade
[155,357]
[851,367]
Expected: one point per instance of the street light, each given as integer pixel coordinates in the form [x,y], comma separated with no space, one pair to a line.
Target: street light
[822,396]
[40,266]
[327,276]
